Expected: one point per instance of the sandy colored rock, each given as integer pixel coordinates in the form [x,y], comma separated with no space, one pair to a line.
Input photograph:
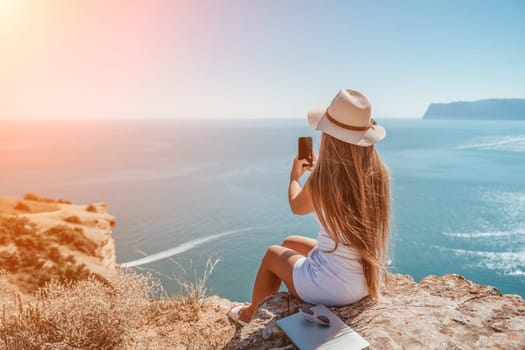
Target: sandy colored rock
[447,312]
[45,214]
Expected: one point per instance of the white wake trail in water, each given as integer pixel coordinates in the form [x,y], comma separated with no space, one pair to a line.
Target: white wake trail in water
[180,248]
[515,143]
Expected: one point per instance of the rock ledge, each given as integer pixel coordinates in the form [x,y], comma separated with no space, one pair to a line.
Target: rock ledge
[447,312]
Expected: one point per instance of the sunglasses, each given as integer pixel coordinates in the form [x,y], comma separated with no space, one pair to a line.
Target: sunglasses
[310,315]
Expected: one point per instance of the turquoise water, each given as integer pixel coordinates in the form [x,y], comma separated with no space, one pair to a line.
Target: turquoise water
[218,189]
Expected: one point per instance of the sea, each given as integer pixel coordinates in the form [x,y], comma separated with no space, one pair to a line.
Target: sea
[189,193]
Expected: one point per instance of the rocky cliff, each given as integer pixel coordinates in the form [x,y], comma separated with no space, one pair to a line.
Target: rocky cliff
[499,109]
[42,239]
[40,236]
[447,312]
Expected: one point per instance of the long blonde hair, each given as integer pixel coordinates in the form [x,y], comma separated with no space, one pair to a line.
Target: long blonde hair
[350,189]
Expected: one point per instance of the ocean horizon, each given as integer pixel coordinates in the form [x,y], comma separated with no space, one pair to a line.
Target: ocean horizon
[184,192]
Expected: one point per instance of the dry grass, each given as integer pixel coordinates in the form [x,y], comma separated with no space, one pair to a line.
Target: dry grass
[194,290]
[64,306]
[132,311]
[81,315]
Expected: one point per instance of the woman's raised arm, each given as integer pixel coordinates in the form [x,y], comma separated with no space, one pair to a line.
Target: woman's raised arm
[300,199]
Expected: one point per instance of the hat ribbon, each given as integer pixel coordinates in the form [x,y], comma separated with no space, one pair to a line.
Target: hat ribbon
[349,127]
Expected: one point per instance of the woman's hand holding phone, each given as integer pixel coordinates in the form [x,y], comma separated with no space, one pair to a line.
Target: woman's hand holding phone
[299,167]
[305,160]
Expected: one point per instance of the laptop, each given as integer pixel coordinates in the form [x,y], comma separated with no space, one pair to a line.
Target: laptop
[307,335]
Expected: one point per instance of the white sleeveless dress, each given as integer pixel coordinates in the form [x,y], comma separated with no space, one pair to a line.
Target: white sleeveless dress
[332,279]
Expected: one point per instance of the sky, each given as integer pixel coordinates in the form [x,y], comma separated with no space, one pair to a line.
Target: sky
[93,59]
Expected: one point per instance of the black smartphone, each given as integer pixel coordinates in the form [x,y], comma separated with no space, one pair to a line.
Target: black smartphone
[305,149]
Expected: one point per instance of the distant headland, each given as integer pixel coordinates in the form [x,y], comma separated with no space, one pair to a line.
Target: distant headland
[490,109]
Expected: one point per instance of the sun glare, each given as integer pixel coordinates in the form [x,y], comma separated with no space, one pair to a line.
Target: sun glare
[8,10]
[5,4]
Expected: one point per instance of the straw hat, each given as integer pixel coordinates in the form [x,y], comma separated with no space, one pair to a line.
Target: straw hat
[349,119]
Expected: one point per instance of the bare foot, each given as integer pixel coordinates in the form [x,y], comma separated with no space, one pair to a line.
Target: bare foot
[245,314]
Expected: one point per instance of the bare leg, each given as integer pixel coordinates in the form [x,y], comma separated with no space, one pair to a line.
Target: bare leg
[276,266]
[300,244]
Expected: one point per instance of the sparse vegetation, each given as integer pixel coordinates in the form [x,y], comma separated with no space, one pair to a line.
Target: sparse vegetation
[73,238]
[31,197]
[88,314]
[30,251]
[23,207]
[91,208]
[34,197]
[65,306]
[195,289]
[82,315]
[73,219]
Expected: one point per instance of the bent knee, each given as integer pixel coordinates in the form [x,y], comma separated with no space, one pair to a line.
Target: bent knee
[274,251]
[290,240]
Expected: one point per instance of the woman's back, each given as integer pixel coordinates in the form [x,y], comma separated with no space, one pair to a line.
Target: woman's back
[350,187]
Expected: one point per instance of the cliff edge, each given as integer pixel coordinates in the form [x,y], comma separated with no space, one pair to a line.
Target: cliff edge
[44,240]
[447,312]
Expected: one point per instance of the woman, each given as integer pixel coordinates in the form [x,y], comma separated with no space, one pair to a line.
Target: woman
[348,192]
